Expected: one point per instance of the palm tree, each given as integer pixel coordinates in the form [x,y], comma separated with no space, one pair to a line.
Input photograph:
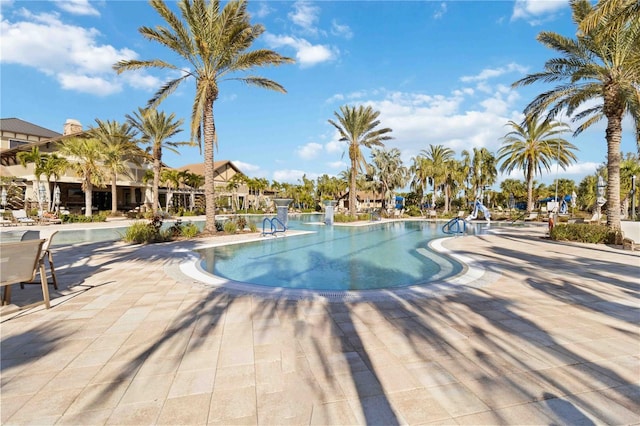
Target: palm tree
[600,64]
[440,158]
[86,156]
[533,145]
[53,166]
[422,175]
[171,179]
[37,158]
[483,170]
[214,43]
[156,127]
[390,171]
[119,149]
[357,127]
[606,12]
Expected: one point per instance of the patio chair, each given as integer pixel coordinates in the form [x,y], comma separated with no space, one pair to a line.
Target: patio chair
[433,214]
[21,261]
[46,251]
[22,218]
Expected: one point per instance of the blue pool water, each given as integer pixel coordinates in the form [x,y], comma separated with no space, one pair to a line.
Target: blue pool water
[375,256]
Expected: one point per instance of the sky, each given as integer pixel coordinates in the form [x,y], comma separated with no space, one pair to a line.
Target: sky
[439,73]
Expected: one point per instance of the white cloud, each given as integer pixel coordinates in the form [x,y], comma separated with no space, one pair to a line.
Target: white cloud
[77,7]
[338,165]
[245,167]
[419,120]
[490,73]
[289,176]
[70,53]
[537,11]
[309,151]
[263,10]
[441,11]
[88,84]
[305,16]
[307,54]
[341,30]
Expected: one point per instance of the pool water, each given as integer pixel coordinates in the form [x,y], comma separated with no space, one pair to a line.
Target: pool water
[375,256]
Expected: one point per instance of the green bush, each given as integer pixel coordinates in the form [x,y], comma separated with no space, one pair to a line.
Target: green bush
[584,233]
[230,227]
[241,221]
[140,233]
[189,230]
[344,218]
[80,218]
[253,227]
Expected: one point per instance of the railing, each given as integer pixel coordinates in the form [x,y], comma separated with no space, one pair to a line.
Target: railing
[273,226]
[455,226]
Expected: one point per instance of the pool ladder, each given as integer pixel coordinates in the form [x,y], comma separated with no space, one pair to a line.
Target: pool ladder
[457,225]
[273,226]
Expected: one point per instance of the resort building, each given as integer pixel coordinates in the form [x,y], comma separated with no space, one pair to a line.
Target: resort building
[133,190]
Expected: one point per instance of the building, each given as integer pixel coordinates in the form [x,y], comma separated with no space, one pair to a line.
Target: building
[133,190]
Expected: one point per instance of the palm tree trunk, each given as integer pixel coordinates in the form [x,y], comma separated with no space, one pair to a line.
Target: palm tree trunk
[529,177]
[114,195]
[155,197]
[209,190]
[614,135]
[88,195]
[352,188]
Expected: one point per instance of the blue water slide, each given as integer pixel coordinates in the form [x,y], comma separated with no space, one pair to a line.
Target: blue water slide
[456,225]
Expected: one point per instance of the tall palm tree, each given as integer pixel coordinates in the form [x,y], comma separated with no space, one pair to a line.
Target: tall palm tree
[214,42]
[422,175]
[357,127]
[156,128]
[86,156]
[601,64]
[483,170]
[389,170]
[53,166]
[37,158]
[440,158]
[119,148]
[172,179]
[533,145]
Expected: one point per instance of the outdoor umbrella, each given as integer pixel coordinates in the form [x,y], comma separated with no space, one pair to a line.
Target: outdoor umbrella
[56,197]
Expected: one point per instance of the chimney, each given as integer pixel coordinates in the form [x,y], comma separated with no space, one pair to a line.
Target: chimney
[71,126]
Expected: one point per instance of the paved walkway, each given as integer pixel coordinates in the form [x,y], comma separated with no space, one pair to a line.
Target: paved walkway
[554,338]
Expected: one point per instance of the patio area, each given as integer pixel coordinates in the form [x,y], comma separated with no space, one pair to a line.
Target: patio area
[552,338]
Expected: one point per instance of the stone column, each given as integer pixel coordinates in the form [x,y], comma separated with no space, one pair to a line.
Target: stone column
[282,206]
[329,206]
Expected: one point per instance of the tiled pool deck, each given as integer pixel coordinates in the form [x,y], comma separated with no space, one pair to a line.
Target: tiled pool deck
[552,338]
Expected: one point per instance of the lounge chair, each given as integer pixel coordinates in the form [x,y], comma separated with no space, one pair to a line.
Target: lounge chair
[433,214]
[7,222]
[21,261]
[22,218]
[46,251]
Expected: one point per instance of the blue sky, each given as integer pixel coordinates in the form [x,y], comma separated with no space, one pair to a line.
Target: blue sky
[439,73]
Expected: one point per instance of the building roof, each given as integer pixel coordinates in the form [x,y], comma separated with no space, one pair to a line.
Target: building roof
[16,125]
[198,168]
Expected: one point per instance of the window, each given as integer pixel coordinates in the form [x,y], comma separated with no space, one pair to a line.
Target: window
[13,143]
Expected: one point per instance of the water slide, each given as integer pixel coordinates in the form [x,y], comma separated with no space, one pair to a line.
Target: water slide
[478,206]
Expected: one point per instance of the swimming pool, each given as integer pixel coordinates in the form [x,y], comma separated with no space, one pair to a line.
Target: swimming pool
[344,258]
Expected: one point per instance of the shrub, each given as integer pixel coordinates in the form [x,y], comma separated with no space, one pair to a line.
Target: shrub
[344,218]
[241,221]
[139,233]
[253,227]
[80,218]
[189,230]
[230,227]
[584,233]
[219,226]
